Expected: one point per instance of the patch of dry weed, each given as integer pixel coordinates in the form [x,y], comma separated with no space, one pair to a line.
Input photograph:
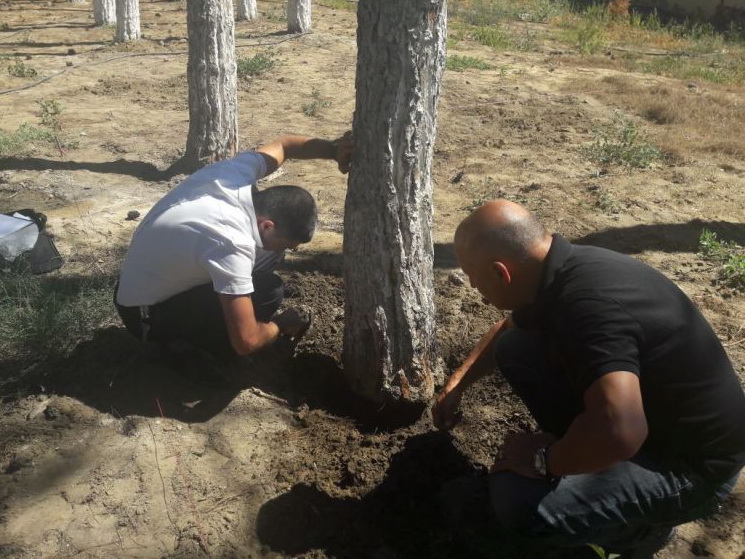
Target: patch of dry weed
[693,118]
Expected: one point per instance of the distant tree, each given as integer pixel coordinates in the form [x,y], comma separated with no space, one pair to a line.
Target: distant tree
[213,89]
[127,20]
[247,10]
[389,335]
[104,12]
[298,16]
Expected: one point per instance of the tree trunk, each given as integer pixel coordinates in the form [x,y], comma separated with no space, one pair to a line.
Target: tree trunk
[127,20]
[104,12]
[389,335]
[213,89]
[247,10]
[298,16]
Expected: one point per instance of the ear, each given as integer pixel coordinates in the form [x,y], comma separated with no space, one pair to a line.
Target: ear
[502,272]
[264,224]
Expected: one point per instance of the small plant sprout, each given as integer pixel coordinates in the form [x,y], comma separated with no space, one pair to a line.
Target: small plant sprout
[623,144]
[256,65]
[20,70]
[728,256]
[313,108]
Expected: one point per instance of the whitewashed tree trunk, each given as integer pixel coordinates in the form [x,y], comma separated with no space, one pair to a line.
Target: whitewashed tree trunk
[298,16]
[104,12]
[127,20]
[389,335]
[213,82]
[247,10]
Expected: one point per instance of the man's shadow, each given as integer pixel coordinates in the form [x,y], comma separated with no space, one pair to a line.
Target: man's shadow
[401,518]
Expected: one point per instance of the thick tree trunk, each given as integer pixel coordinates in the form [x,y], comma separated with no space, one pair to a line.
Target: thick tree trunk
[104,12]
[211,73]
[247,10]
[298,16]
[127,20]
[389,336]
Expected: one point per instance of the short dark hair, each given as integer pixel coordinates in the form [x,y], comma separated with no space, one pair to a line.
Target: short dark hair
[291,208]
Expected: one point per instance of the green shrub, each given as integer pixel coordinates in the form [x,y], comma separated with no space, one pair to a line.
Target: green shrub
[623,144]
[19,70]
[492,37]
[727,255]
[23,138]
[44,317]
[256,65]
[460,63]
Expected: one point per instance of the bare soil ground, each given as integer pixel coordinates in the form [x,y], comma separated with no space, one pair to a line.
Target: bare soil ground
[109,453]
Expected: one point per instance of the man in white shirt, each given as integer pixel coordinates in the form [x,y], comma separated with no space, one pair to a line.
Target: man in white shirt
[200,266]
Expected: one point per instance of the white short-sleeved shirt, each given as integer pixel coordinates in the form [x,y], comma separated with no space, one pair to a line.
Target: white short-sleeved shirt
[203,231]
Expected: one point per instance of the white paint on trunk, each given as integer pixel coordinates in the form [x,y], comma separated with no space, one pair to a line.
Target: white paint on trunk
[247,10]
[127,20]
[298,16]
[104,12]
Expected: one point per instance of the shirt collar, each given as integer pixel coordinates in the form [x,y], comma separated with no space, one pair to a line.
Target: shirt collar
[529,315]
[554,262]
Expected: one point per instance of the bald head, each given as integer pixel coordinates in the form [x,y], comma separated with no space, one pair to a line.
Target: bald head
[501,230]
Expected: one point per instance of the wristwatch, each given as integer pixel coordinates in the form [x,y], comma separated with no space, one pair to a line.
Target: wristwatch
[540,462]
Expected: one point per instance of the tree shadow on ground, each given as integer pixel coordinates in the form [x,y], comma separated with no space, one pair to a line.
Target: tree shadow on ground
[666,237]
[137,169]
[400,518]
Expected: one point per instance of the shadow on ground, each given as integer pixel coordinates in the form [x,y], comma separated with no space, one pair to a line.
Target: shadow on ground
[665,237]
[400,518]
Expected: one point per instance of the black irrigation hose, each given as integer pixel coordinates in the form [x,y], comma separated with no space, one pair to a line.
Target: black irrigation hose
[132,55]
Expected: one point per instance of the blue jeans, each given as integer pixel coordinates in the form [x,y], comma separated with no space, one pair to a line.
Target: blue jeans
[616,508]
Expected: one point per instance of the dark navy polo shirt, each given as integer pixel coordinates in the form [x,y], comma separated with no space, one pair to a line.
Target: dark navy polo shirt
[601,311]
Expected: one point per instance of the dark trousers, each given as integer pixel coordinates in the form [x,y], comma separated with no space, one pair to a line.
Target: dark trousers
[618,508]
[195,316]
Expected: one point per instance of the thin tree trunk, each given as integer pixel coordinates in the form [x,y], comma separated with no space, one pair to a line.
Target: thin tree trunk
[298,16]
[104,12]
[213,90]
[247,10]
[389,336]
[127,20]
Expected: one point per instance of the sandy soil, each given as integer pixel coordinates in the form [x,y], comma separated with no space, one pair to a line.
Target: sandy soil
[110,453]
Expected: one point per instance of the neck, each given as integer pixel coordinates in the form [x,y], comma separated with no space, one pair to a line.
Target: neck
[532,271]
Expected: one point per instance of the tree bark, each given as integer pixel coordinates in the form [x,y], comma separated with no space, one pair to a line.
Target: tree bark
[104,12]
[389,336]
[127,20]
[298,16]
[213,89]
[247,10]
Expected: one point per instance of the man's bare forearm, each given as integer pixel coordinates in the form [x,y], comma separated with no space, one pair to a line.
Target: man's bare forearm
[481,359]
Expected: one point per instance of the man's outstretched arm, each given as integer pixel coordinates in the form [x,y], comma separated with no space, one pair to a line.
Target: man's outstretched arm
[278,151]
[478,363]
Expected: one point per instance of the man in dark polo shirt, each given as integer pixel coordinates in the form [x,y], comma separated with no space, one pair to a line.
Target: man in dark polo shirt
[641,416]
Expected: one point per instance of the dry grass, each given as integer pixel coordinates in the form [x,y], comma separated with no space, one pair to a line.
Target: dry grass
[688,117]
